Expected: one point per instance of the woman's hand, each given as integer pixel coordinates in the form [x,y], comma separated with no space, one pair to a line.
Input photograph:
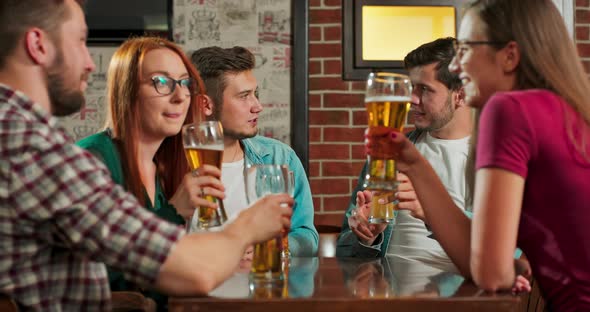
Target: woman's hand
[358,220]
[385,143]
[521,284]
[522,269]
[194,187]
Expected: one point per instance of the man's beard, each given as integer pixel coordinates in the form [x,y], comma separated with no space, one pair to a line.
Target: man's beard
[63,101]
[238,135]
[441,119]
[228,133]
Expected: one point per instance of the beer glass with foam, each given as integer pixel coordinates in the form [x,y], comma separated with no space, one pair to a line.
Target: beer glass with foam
[203,144]
[387,101]
[262,180]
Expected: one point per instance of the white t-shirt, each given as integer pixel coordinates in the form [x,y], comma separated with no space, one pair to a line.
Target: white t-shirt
[410,236]
[235,194]
[232,177]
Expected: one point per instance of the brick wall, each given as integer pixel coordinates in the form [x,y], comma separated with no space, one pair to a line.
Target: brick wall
[582,20]
[336,111]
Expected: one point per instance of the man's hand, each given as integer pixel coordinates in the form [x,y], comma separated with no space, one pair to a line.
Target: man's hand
[358,220]
[267,218]
[407,197]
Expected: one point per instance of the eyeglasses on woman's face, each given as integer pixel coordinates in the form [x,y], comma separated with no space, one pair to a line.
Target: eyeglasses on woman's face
[165,85]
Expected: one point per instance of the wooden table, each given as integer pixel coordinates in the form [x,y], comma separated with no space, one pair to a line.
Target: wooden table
[347,284]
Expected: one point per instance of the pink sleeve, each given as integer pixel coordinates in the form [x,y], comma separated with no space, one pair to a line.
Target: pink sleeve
[506,139]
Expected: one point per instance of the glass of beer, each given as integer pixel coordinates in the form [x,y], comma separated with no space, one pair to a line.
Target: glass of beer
[203,145]
[387,101]
[262,180]
[382,207]
[260,289]
[286,253]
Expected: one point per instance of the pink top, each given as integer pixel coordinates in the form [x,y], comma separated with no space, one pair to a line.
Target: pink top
[525,132]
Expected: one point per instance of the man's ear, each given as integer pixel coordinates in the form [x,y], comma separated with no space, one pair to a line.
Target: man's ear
[39,47]
[458,97]
[205,104]
[510,57]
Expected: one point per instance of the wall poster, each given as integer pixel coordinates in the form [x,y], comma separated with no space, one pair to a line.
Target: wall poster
[262,26]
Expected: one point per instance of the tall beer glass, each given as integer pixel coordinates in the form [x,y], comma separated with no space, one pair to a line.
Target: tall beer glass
[260,289]
[203,145]
[262,180]
[286,253]
[387,101]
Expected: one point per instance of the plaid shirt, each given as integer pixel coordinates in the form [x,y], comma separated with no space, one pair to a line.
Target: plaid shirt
[61,216]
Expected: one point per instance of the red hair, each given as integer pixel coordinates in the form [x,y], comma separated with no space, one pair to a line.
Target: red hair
[123,116]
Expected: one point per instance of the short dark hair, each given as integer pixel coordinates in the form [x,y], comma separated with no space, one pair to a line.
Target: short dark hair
[213,63]
[439,51]
[16,16]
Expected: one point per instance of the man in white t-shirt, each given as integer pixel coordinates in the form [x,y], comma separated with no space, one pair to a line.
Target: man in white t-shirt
[443,126]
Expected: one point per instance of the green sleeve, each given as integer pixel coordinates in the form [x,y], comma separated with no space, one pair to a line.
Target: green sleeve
[104,148]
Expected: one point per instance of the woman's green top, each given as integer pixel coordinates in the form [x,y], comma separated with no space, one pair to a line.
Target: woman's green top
[102,146]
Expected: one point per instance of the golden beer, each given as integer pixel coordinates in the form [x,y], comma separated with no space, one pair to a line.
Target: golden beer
[382,208]
[290,179]
[285,253]
[266,261]
[385,113]
[264,289]
[207,155]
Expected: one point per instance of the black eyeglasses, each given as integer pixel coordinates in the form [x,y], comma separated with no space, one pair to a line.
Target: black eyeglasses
[166,85]
[460,46]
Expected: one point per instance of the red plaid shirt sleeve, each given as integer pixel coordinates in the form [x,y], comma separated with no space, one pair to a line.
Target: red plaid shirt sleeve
[61,215]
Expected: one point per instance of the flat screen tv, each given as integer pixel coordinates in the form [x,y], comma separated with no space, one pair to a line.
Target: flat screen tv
[117,20]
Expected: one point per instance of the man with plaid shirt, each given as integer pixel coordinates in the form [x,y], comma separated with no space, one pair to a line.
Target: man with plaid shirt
[61,216]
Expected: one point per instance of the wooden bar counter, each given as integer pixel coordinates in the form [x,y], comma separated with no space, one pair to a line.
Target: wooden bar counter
[349,284]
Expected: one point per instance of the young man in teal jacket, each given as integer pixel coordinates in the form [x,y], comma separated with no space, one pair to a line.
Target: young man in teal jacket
[232,98]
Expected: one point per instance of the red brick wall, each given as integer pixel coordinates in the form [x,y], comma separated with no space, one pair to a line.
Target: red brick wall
[582,20]
[336,111]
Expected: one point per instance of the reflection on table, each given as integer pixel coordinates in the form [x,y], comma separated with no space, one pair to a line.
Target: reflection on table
[316,284]
[395,276]
[297,282]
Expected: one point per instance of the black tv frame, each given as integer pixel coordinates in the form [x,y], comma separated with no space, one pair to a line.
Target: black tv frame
[117,36]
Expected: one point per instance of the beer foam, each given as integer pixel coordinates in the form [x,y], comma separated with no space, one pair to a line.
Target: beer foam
[212,147]
[387,98]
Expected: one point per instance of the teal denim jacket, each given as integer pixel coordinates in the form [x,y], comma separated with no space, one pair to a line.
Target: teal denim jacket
[303,237]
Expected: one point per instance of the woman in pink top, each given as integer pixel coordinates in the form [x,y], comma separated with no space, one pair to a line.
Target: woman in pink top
[522,75]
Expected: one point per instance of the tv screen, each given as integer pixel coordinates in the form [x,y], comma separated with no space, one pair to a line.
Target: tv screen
[117,20]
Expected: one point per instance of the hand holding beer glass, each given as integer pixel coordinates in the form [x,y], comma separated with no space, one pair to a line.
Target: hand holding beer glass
[387,101]
[262,180]
[365,232]
[203,145]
